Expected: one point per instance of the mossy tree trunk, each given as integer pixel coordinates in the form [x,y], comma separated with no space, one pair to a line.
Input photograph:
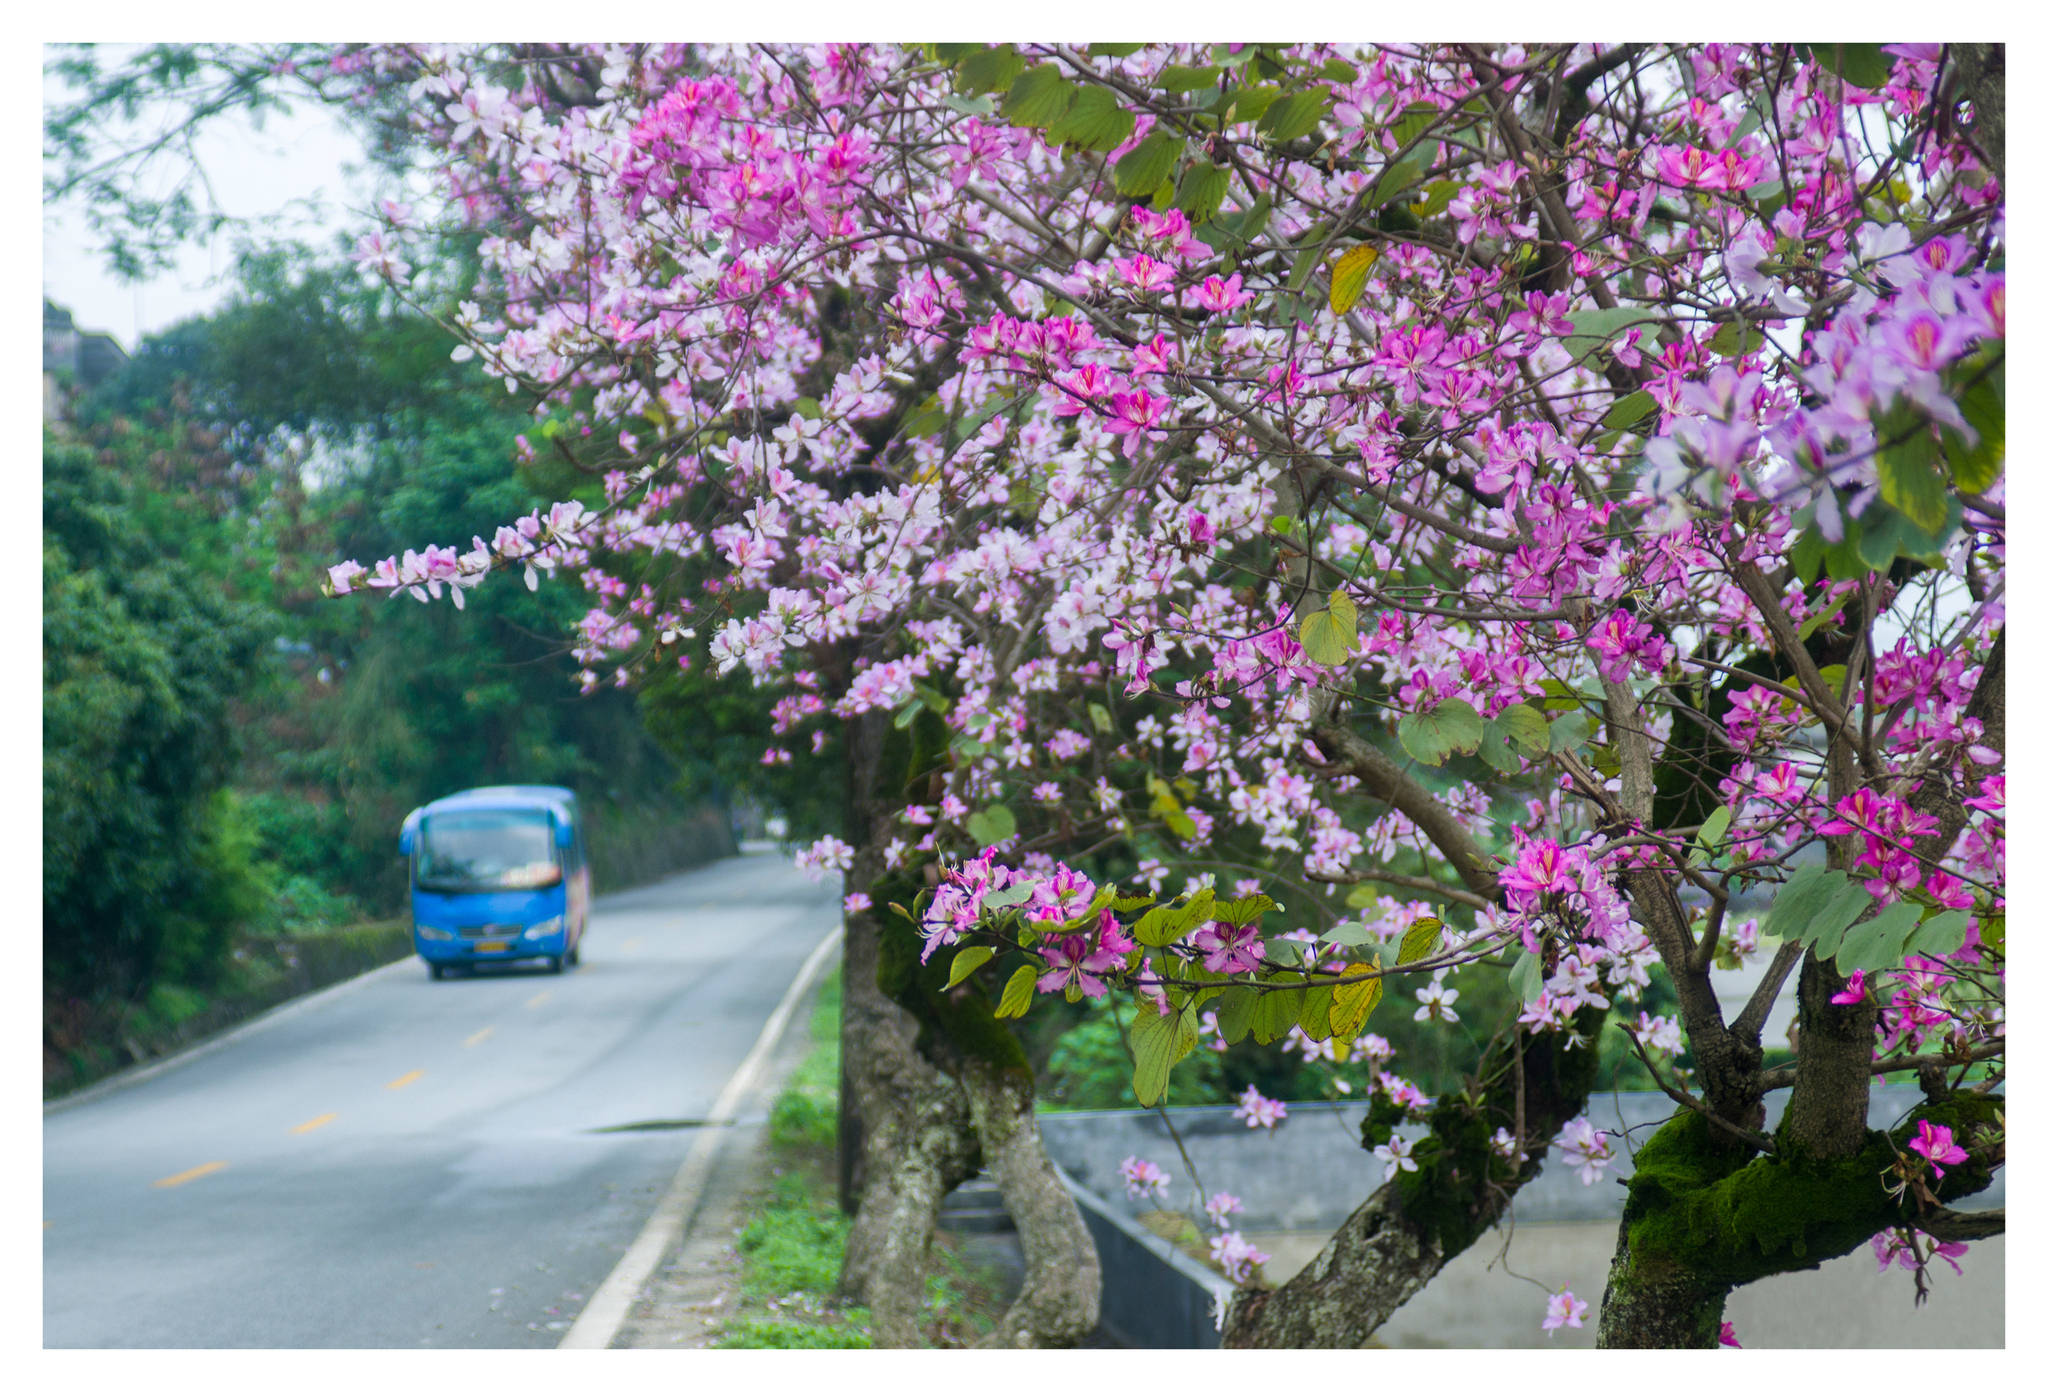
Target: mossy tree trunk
[940,1088]
[1396,1242]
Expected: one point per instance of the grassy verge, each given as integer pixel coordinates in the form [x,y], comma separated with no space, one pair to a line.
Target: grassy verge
[795,1239]
[84,1042]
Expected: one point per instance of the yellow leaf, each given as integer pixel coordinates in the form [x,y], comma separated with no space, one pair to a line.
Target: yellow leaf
[1347,277]
[1352,1004]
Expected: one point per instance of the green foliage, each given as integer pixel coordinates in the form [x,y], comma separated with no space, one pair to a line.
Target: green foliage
[788,1334]
[144,870]
[792,1247]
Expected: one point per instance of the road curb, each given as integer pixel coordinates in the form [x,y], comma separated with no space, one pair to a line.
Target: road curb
[130,1077]
[613,1300]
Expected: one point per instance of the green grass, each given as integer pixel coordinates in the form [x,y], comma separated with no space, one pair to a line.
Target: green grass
[795,1240]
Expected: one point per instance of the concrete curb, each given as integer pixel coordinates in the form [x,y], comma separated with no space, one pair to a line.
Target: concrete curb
[287,1009]
[613,1301]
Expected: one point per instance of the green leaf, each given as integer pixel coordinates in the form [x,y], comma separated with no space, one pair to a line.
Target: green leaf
[1595,328]
[1939,935]
[965,961]
[1630,409]
[1095,121]
[1099,714]
[1247,103]
[1570,731]
[1493,748]
[1909,480]
[1435,199]
[1329,635]
[1276,1013]
[908,713]
[1017,993]
[991,70]
[1235,230]
[1715,827]
[1819,617]
[1846,903]
[1878,943]
[1201,189]
[1865,65]
[1176,77]
[1038,97]
[1352,1002]
[1315,1010]
[1414,119]
[1158,1042]
[1008,897]
[1736,339]
[1241,911]
[1976,467]
[1806,556]
[1420,940]
[1141,172]
[992,824]
[1295,115]
[1525,729]
[1355,934]
[1234,1013]
[1430,737]
[1525,977]
[1113,50]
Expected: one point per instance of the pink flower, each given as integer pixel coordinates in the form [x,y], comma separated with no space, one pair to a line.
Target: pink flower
[1256,1111]
[1938,1144]
[1851,996]
[1728,1339]
[858,903]
[1229,947]
[1565,1309]
[1235,1255]
[1221,1206]
[1142,1177]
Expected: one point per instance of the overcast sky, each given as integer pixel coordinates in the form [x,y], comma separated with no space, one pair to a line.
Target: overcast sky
[267,173]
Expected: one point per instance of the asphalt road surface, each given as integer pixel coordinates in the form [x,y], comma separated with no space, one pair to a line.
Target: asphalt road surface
[415,1164]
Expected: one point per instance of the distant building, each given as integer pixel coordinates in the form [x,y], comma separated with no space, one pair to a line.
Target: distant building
[73,361]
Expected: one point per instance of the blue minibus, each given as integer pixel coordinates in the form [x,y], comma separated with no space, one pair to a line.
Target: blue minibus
[498,875]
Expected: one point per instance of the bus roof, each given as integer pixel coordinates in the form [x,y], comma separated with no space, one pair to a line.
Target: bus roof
[502,795]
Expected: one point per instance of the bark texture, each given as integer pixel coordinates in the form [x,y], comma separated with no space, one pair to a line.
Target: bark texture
[939,1088]
[1395,1243]
[1062,1295]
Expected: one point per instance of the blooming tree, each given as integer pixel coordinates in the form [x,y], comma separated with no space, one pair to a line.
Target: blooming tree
[1556,487]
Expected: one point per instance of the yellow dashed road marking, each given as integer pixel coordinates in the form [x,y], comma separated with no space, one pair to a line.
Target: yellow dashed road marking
[173,1181]
[479,1037]
[315,1124]
[541,999]
[407,1080]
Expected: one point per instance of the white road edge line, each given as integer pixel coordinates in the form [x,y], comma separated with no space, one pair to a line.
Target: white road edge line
[275,1015]
[613,1301]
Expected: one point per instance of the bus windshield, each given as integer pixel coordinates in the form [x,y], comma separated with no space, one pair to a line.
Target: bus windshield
[487,848]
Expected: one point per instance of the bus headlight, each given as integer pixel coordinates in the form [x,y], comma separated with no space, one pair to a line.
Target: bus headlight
[546,929]
[432,934]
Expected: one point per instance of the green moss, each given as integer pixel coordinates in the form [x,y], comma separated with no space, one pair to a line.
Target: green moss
[1696,1207]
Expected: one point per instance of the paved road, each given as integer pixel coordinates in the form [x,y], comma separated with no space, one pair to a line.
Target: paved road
[411,1164]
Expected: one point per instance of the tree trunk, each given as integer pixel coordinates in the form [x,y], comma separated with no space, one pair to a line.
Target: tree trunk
[1658,1304]
[916,1141]
[939,1086]
[1365,1272]
[1062,1295]
[1394,1243]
